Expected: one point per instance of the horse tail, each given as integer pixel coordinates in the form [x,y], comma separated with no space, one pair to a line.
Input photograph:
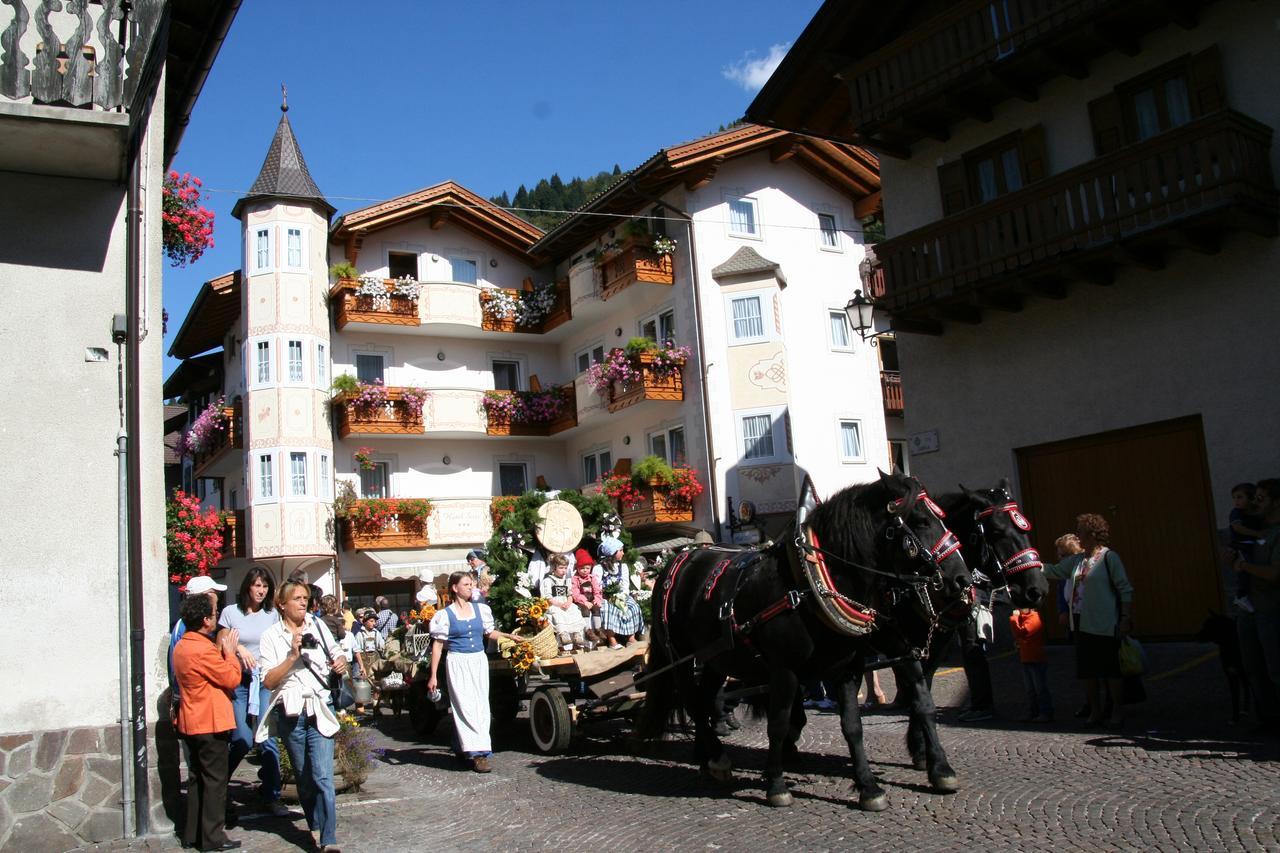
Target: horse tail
[660,690]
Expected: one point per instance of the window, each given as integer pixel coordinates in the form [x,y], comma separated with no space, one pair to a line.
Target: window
[669,444]
[324,477]
[298,475]
[746,319]
[827,227]
[659,327]
[370,367]
[464,269]
[506,376]
[588,357]
[757,437]
[266,483]
[263,362]
[742,217]
[295,361]
[322,367]
[838,323]
[596,465]
[261,249]
[513,478]
[375,482]
[898,456]
[658,222]
[992,170]
[1158,101]
[851,441]
[235,499]
[401,264]
[1001,27]
[293,247]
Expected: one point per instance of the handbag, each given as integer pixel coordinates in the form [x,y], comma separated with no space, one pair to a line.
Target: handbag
[1132,690]
[339,685]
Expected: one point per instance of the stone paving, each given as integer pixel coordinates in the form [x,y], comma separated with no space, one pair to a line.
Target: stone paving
[1176,776]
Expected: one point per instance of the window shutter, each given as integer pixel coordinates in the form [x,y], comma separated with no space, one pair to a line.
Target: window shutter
[1204,73]
[1108,123]
[951,184]
[1035,164]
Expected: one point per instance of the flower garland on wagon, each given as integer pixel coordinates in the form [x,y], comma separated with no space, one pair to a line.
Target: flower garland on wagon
[193,537]
[186,227]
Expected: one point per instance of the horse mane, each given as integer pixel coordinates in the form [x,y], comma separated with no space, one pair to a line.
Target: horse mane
[844,523]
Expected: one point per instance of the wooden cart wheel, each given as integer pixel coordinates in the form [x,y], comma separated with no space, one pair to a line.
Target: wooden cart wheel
[549,721]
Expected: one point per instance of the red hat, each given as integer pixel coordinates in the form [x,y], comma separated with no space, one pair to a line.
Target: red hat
[582,558]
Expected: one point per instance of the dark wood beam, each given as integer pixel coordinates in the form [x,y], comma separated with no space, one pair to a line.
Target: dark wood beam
[895,150]
[703,175]
[973,107]
[1206,241]
[783,149]
[1184,13]
[915,325]
[437,218]
[1118,38]
[1072,66]
[1020,89]
[868,205]
[1148,257]
[1050,287]
[1264,225]
[927,127]
[1000,300]
[355,242]
[1101,273]
[959,312]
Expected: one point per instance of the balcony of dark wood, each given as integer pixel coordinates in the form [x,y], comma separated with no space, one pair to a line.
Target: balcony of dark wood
[568,419]
[233,535]
[560,313]
[977,54]
[393,417]
[218,459]
[1186,188]
[891,389]
[397,531]
[633,261]
[352,307]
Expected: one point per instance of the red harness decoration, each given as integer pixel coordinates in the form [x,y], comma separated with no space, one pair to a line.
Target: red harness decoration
[863,617]
[1015,515]
[670,585]
[1026,559]
[946,545]
[715,577]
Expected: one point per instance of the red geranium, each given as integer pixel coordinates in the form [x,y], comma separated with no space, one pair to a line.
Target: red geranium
[187,227]
[194,536]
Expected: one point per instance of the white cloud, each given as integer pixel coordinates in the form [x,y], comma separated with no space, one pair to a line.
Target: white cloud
[751,72]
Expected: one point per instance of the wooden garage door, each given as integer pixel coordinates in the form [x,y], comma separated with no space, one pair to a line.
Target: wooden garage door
[1152,484]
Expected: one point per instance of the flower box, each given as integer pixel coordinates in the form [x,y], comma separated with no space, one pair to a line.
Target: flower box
[654,383]
[394,417]
[658,507]
[379,524]
[206,457]
[528,311]
[634,260]
[513,413]
[396,308]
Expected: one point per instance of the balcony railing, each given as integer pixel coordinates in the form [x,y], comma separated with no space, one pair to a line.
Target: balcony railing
[393,309]
[558,314]
[891,389]
[233,535]
[653,384]
[390,531]
[100,64]
[1208,176]
[517,425]
[633,261]
[232,438]
[394,417]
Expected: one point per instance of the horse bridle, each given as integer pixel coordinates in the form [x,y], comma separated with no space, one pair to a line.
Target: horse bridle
[1027,558]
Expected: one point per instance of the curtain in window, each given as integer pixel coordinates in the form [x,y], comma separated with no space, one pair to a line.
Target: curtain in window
[1175,98]
[266,488]
[850,440]
[263,249]
[839,329]
[590,473]
[675,438]
[373,482]
[464,270]
[747,322]
[1012,168]
[295,247]
[324,476]
[827,223]
[264,361]
[666,327]
[368,367]
[322,367]
[658,446]
[298,474]
[295,361]
[757,437]
[1144,104]
[986,174]
[512,480]
[742,216]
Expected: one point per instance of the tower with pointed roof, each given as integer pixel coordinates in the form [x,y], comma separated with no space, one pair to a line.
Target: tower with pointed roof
[284,357]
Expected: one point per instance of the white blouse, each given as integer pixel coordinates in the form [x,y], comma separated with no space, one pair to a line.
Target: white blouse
[439,626]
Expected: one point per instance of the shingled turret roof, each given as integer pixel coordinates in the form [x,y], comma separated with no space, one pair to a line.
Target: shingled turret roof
[284,173]
[747,261]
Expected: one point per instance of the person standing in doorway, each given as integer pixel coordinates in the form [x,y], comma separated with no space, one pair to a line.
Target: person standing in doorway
[1260,630]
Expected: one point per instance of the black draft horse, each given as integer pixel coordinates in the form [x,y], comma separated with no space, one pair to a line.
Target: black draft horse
[746,615]
[993,533]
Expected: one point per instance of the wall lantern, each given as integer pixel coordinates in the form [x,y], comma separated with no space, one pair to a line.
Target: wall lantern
[860,311]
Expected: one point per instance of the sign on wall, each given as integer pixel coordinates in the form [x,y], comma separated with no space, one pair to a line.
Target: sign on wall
[923,442]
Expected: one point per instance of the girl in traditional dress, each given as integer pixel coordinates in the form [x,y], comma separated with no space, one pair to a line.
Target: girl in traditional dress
[464,627]
[622,618]
[566,619]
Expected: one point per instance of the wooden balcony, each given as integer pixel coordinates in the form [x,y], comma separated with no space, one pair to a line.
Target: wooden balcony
[651,385]
[560,312]
[392,418]
[1185,188]
[351,307]
[217,460]
[891,390]
[633,261]
[568,419]
[961,63]
[395,532]
[659,507]
[233,535]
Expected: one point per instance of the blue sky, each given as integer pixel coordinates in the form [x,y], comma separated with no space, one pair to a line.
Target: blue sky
[488,94]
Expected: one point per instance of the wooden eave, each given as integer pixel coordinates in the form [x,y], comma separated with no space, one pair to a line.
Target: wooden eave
[199,373]
[213,313]
[446,202]
[849,169]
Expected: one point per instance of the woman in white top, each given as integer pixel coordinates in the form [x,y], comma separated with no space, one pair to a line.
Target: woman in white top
[297,655]
[464,627]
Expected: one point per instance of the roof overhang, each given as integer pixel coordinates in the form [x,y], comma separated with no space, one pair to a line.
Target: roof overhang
[197,29]
[214,312]
[439,204]
[194,373]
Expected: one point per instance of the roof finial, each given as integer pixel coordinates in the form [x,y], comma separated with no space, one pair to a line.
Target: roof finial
[284,98]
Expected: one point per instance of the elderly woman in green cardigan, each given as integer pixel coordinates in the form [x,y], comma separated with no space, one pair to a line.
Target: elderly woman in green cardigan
[1099,597]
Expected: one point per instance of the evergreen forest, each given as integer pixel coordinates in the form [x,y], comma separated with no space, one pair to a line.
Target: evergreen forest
[543,205]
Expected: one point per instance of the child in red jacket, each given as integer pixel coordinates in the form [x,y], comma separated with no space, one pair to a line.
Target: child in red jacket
[588,594]
[1028,633]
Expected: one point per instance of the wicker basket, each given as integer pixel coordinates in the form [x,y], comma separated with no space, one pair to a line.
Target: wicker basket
[544,643]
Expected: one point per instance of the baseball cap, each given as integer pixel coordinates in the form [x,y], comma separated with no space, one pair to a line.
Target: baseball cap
[203,583]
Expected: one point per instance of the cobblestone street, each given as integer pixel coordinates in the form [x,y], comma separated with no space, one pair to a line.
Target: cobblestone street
[1176,776]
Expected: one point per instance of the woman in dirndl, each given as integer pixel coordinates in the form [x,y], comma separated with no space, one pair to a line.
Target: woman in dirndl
[622,618]
[464,628]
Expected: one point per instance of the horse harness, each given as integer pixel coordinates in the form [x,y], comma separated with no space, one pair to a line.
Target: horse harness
[1027,558]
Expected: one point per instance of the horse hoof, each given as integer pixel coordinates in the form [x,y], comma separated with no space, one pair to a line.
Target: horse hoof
[721,769]
[781,801]
[878,803]
[919,763]
[945,784]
